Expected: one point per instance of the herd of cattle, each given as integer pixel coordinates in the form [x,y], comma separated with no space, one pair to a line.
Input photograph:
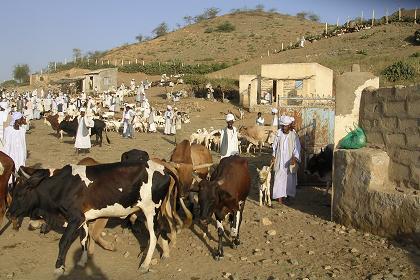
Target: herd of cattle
[82,197]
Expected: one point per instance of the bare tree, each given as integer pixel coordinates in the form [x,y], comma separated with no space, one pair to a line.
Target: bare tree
[313,17]
[21,73]
[301,15]
[77,53]
[259,8]
[140,38]
[188,20]
[161,29]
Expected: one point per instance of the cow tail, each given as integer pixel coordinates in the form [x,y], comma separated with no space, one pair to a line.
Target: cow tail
[166,210]
[188,220]
[107,139]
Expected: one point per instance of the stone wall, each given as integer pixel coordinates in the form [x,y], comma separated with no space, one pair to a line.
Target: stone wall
[391,120]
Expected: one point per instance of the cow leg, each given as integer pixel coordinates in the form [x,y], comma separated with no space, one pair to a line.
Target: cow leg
[149,213]
[327,188]
[261,195]
[238,221]
[61,135]
[248,148]
[84,240]
[221,232]
[70,234]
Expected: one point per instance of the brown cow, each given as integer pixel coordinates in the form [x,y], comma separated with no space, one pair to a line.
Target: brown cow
[188,158]
[7,168]
[257,135]
[225,194]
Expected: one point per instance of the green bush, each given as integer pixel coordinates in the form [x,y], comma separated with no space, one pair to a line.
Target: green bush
[399,71]
[363,52]
[208,30]
[9,83]
[225,27]
[416,54]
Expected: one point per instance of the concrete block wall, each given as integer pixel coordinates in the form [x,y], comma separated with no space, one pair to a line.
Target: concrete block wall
[391,120]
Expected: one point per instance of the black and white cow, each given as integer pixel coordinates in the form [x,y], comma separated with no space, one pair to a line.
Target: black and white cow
[84,193]
[321,166]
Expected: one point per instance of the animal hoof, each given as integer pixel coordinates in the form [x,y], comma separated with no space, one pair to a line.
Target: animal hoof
[164,257]
[110,247]
[236,242]
[44,229]
[218,257]
[59,271]
[144,269]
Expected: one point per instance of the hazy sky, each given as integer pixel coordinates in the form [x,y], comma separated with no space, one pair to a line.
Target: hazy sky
[37,32]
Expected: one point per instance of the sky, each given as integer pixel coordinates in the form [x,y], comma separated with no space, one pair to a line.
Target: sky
[37,32]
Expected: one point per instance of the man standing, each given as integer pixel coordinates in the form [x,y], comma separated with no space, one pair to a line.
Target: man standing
[275,122]
[14,140]
[169,115]
[128,122]
[286,154]
[260,120]
[229,138]
[3,118]
[83,132]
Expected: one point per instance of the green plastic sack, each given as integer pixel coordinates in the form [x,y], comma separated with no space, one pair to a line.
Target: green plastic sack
[355,139]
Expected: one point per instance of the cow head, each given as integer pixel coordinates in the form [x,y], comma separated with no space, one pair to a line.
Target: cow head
[24,196]
[209,196]
[263,173]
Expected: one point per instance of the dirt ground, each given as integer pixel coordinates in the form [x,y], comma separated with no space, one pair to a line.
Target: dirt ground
[297,242]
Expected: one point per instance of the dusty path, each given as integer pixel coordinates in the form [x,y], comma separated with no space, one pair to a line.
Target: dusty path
[300,241]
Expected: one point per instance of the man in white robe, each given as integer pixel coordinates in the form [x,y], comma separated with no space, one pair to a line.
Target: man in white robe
[274,112]
[169,115]
[3,118]
[286,154]
[14,140]
[229,138]
[85,123]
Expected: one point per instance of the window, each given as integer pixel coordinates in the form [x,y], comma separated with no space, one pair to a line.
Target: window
[299,84]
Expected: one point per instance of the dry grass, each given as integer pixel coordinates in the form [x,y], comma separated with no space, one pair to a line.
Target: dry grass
[254,34]
[373,49]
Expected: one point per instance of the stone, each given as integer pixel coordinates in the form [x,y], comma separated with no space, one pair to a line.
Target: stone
[390,277]
[226,275]
[293,261]
[227,255]
[354,251]
[376,277]
[327,267]
[271,232]
[10,275]
[266,221]
[311,253]
[243,258]
[291,275]
[126,254]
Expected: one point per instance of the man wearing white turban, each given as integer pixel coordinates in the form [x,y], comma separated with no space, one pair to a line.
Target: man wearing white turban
[169,115]
[286,154]
[229,138]
[85,123]
[274,112]
[14,140]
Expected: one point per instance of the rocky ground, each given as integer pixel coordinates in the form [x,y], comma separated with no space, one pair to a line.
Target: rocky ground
[283,242]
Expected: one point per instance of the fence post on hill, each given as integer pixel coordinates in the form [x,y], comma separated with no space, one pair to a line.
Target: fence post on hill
[136,60]
[386,16]
[102,62]
[282,47]
[326,28]
[96,62]
[129,62]
[108,61]
[122,62]
[88,61]
[348,22]
[338,18]
[65,61]
[55,66]
[143,62]
[415,15]
[399,14]
[373,17]
[361,18]
[268,52]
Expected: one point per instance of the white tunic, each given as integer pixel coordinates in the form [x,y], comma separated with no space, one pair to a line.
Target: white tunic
[15,145]
[284,147]
[3,118]
[83,133]
[229,142]
[168,122]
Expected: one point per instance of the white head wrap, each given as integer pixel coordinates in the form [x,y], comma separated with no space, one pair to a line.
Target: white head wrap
[285,120]
[15,116]
[169,107]
[82,109]
[230,117]
[274,111]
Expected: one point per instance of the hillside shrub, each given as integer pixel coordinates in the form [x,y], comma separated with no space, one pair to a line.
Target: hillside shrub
[417,36]
[362,52]
[399,71]
[225,27]
[198,84]
[9,83]
[209,30]
[416,54]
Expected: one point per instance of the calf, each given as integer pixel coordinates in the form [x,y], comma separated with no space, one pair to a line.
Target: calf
[264,175]
[225,194]
[321,166]
[85,193]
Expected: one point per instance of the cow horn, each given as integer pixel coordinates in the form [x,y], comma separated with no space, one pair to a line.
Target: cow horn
[196,177]
[206,165]
[26,175]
